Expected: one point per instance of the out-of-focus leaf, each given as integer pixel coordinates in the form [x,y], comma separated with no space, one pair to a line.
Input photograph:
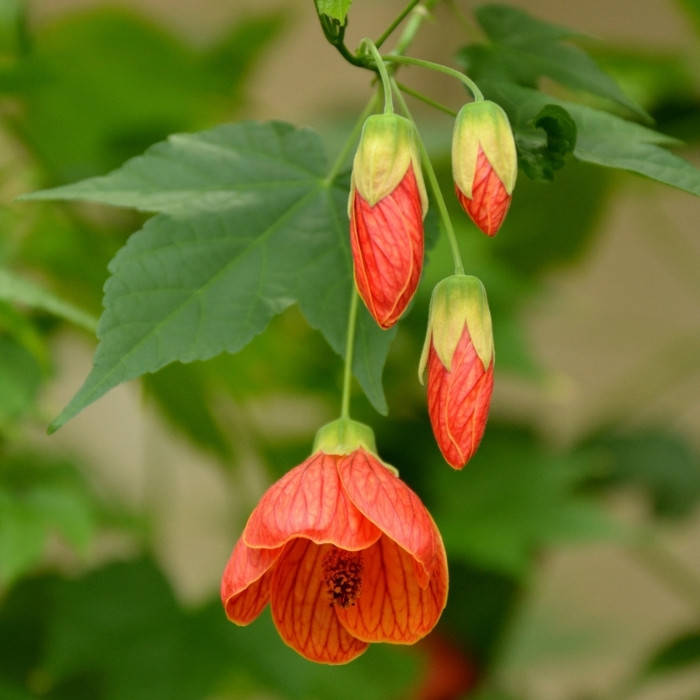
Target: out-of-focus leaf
[184,396]
[663,465]
[12,17]
[39,497]
[85,116]
[479,628]
[553,225]
[22,635]
[121,628]
[70,252]
[530,48]
[676,655]
[20,380]
[692,7]
[18,290]
[602,138]
[513,499]
[249,225]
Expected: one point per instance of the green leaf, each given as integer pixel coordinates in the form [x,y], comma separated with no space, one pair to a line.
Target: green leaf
[83,116]
[336,9]
[602,138]
[22,537]
[678,654]
[20,379]
[531,48]
[540,160]
[248,226]
[663,465]
[560,227]
[39,497]
[184,397]
[18,290]
[121,630]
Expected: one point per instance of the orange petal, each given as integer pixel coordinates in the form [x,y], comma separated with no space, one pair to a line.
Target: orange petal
[396,510]
[301,607]
[387,248]
[309,502]
[393,606]
[458,401]
[490,200]
[245,585]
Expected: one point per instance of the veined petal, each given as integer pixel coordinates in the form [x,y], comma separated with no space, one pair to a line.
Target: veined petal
[458,401]
[387,248]
[391,505]
[301,606]
[393,606]
[245,585]
[309,502]
[490,200]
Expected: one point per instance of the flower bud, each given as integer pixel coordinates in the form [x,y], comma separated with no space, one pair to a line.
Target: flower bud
[387,205]
[484,163]
[459,355]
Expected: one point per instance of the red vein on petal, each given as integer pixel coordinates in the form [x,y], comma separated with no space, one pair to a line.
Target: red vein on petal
[392,506]
[393,606]
[301,609]
[309,501]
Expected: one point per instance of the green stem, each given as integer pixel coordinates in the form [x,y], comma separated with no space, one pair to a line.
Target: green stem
[351,141]
[439,68]
[390,29]
[383,74]
[349,348]
[424,98]
[437,192]
[418,16]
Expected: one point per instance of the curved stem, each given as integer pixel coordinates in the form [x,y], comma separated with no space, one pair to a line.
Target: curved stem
[437,192]
[390,29]
[439,68]
[349,348]
[383,74]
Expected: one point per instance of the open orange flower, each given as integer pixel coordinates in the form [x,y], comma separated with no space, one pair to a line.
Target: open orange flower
[345,553]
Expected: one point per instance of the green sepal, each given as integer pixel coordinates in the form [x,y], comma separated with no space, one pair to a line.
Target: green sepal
[343,436]
[484,124]
[388,146]
[458,301]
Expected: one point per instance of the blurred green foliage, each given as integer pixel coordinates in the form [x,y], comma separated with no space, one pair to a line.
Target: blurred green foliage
[85,92]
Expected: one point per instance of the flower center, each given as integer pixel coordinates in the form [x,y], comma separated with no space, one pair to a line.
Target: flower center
[342,574]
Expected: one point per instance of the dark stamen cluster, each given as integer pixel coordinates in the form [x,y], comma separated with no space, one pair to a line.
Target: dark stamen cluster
[342,574]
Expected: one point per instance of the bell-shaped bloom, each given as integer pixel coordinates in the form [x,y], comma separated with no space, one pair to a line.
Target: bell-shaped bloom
[484,163]
[459,356]
[387,205]
[345,554]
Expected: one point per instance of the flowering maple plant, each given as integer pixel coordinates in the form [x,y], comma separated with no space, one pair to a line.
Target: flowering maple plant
[250,220]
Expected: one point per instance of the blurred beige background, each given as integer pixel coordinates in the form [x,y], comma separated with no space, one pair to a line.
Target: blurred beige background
[616,310]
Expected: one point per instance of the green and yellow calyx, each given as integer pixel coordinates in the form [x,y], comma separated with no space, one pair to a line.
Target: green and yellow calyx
[483,124]
[458,301]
